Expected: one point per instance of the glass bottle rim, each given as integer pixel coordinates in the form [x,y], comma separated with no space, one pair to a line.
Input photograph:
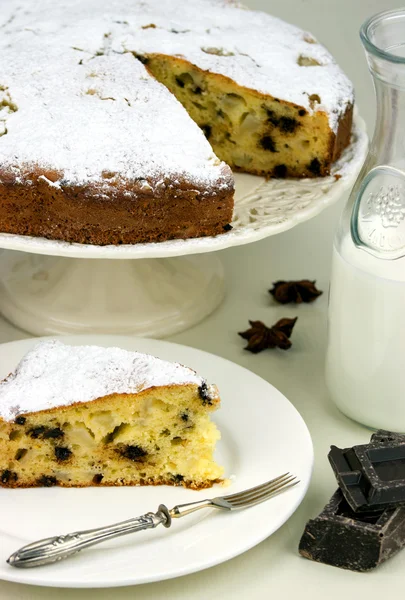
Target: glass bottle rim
[369,44]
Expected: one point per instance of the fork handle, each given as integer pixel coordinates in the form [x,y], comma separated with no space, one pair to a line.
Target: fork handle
[53,549]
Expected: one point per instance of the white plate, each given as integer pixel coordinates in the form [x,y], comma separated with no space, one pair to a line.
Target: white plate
[262,436]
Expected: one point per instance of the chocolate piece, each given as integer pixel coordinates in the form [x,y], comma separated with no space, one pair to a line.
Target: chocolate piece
[204,394]
[135,453]
[359,542]
[267,143]
[62,453]
[383,436]
[36,432]
[47,481]
[54,433]
[371,476]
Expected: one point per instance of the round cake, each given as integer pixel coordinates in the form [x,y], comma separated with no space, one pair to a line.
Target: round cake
[120,121]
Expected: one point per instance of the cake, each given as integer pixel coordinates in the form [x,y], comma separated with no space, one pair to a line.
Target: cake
[104,106]
[92,416]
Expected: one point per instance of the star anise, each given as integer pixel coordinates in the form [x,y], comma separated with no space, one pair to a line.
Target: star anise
[295,291]
[261,337]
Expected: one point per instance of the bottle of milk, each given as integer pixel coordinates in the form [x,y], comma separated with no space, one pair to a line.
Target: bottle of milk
[365,365]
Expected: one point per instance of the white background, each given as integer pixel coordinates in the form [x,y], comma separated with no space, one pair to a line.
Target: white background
[274,569]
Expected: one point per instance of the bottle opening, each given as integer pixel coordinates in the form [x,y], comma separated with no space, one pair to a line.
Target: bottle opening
[383,35]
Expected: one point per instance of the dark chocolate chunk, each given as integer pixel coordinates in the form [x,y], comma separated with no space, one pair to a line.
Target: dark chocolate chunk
[197,90]
[36,432]
[285,124]
[62,453]
[98,478]
[228,227]
[359,542]
[272,117]
[8,476]
[204,394]
[302,112]
[54,433]
[280,171]
[178,478]
[371,476]
[47,481]
[21,452]
[135,453]
[268,143]
[288,124]
[20,420]
[384,437]
[184,416]
[315,166]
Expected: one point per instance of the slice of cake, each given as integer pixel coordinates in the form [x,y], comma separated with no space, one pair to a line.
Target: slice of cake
[270,98]
[80,416]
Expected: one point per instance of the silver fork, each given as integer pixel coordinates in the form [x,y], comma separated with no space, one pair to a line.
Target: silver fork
[56,548]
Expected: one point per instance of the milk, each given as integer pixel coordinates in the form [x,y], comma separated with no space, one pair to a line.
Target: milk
[365,365]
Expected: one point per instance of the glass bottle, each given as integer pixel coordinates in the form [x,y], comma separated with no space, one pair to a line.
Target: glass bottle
[365,364]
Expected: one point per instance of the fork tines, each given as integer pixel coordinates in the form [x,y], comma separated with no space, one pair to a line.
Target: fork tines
[262,492]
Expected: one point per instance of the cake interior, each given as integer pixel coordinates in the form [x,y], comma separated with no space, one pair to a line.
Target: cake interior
[247,130]
[163,435]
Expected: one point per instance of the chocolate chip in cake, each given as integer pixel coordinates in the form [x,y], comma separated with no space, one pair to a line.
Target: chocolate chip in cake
[36,432]
[178,478]
[47,481]
[228,227]
[54,433]
[267,143]
[8,476]
[302,112]
[197,90]
[272,117]
[204,395]
[62,453]
[315,166]
[207,130]
[21,452]
[20,420]
[134,453]
[184,416]
[98,478]
[280,171]
[288,124]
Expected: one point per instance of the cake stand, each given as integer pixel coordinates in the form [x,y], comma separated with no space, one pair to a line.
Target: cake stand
[49,287]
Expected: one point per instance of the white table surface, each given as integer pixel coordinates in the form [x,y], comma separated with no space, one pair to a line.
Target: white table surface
[274,568]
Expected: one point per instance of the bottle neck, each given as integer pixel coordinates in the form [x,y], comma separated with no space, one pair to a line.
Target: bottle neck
[388,144]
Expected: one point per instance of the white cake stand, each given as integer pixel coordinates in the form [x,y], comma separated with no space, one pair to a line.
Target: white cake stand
[49,287]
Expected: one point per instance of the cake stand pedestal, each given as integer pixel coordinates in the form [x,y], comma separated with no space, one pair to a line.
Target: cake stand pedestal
[154,290]
[149,297]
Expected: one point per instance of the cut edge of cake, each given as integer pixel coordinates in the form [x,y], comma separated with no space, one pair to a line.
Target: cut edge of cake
[251,131]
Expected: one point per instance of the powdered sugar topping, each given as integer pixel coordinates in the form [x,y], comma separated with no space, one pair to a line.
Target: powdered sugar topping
[75,102]
[54,374]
